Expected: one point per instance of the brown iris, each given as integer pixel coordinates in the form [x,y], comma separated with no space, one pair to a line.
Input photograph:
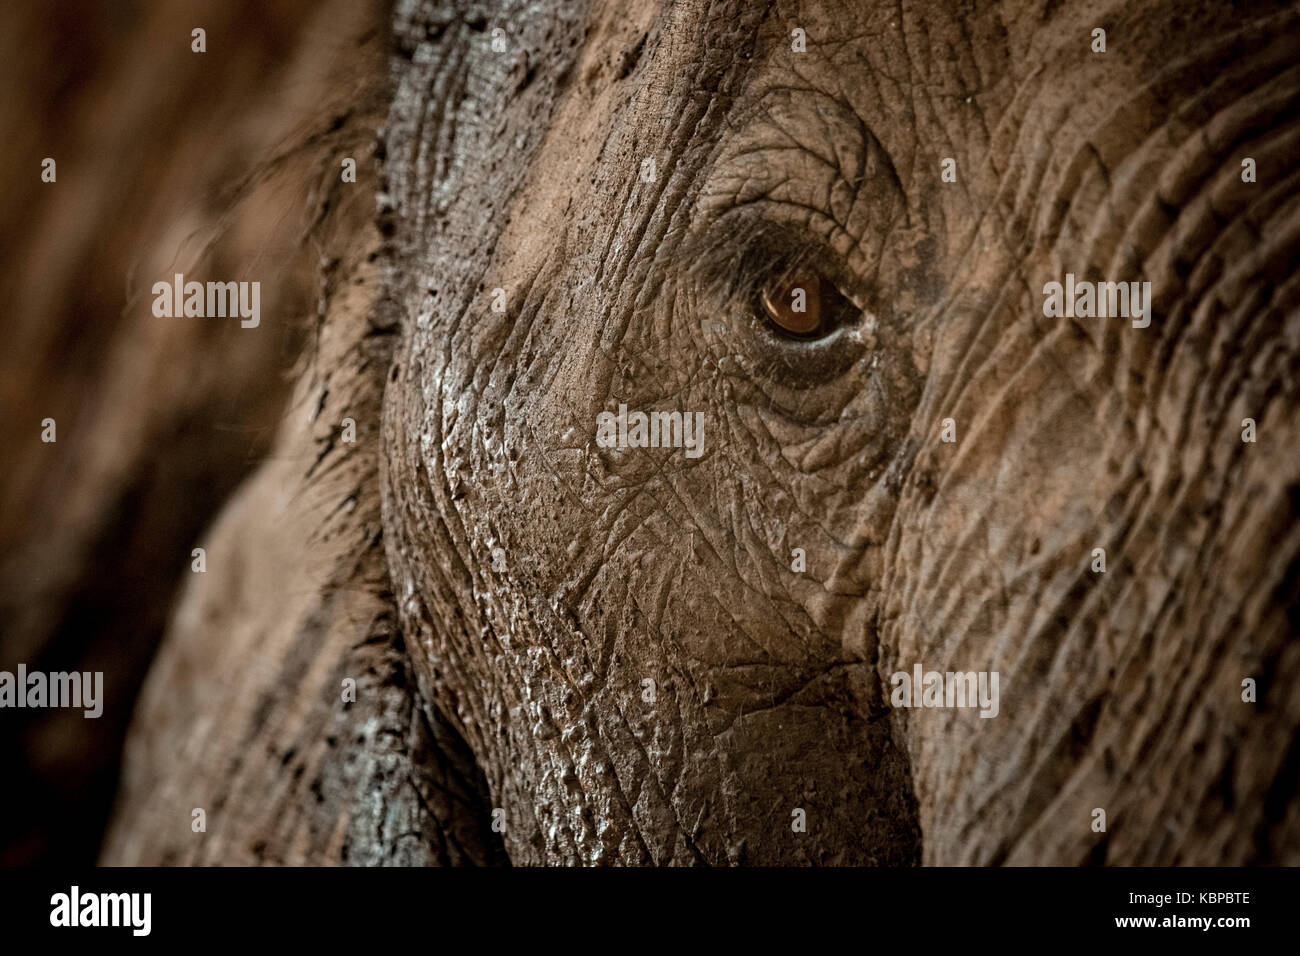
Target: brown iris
[802,304]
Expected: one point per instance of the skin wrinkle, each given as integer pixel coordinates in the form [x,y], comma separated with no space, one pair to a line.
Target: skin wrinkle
[853,182]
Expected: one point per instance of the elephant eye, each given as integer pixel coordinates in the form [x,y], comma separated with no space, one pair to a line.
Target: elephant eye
[805,305]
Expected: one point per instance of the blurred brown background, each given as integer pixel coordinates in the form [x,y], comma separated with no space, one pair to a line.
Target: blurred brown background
[213,164]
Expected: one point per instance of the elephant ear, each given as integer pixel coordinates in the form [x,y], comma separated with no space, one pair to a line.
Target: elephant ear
[280,703]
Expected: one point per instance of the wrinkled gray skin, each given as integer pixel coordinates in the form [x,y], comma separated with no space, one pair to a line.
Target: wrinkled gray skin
[522,171]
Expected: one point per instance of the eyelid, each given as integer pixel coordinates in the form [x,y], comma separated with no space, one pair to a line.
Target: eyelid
[739,250]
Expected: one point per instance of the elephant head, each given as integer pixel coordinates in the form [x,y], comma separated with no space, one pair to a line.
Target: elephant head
[727,391]
[663,657]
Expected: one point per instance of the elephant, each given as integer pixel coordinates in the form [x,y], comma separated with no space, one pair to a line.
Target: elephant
[708,402]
